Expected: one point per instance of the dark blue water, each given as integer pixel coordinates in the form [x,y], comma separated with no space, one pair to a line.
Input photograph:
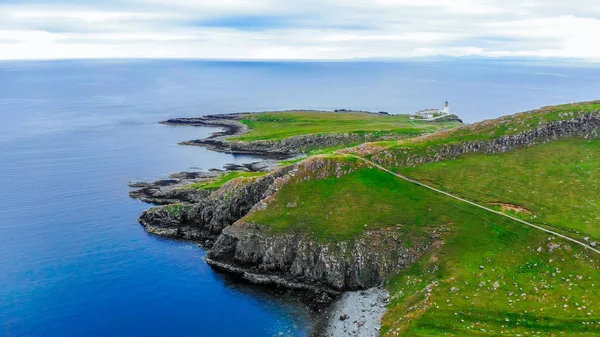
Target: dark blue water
[74,261]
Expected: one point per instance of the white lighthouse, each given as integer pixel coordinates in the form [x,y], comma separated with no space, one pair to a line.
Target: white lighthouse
[434,113]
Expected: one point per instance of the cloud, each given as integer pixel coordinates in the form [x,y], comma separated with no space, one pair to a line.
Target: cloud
[309,29]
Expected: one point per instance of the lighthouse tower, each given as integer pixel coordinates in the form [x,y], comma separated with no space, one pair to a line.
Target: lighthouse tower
[447,108]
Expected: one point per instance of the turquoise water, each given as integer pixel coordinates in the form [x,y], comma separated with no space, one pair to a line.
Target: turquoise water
[74,261]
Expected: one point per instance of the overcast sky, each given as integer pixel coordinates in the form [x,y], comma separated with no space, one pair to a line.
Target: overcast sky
[292,29]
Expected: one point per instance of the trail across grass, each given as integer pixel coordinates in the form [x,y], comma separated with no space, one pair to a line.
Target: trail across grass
[558,183]
[587,246]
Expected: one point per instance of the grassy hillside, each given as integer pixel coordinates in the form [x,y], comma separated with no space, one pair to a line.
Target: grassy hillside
[343,208]
[556,184]
[491,129]
[494,277]
[491,276]
[281,125]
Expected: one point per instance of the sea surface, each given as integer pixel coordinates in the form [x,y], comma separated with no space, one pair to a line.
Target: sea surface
[73,259]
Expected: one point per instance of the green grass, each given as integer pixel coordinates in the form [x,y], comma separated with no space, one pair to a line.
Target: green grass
[343,208]
[281,125]
[520,290]
[558,182]
[225,178]
[175,210]
[508,125]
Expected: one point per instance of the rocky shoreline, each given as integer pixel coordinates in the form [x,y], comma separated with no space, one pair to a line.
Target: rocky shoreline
[321,272]
[212,218]
[355,313]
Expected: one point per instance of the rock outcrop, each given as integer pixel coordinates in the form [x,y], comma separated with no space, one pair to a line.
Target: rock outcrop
[299,258]
[205,219]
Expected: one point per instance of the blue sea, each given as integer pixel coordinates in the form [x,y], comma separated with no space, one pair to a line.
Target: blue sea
[73,259]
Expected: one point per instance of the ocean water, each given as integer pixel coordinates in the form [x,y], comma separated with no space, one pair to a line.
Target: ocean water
[73,259]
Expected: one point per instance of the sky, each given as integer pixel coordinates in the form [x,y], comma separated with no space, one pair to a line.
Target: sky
[298,30]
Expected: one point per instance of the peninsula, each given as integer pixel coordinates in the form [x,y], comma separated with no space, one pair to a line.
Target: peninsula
[427,228]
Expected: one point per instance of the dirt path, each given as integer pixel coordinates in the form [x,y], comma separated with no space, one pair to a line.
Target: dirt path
[474,204]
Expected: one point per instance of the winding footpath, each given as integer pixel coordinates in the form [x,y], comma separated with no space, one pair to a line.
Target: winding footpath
[473,204]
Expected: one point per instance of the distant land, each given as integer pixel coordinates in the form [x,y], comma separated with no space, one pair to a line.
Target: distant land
[393,226]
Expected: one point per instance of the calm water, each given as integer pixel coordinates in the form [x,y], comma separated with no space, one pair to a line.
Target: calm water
[74,261]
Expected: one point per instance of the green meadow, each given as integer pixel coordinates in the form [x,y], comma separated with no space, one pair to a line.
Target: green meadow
[555,184]
[491,276]
[281,125]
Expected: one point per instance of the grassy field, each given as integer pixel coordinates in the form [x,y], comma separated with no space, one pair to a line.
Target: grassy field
[492,276]
[281,125]
[225,178]
[343,208]
[559,183]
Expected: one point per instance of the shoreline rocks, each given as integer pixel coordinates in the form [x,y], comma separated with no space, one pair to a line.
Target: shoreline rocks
[355,313]
[204,219]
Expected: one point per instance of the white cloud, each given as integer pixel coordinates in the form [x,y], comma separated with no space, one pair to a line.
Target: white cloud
[310,29]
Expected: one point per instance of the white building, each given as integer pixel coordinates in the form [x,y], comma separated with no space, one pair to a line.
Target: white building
[432,113]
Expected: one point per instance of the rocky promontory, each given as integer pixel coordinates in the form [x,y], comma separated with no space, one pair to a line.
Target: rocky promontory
[224,141]
[204,219]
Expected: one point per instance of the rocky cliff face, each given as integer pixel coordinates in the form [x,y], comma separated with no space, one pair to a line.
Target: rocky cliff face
[581,126]
[205,219]
[297,257]
[294,260]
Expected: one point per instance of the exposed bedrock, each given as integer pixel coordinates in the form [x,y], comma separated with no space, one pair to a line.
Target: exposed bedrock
[173,190]
[205,219]
[357,264]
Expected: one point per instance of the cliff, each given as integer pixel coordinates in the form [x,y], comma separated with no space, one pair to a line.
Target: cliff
[300,258]
[205,219]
